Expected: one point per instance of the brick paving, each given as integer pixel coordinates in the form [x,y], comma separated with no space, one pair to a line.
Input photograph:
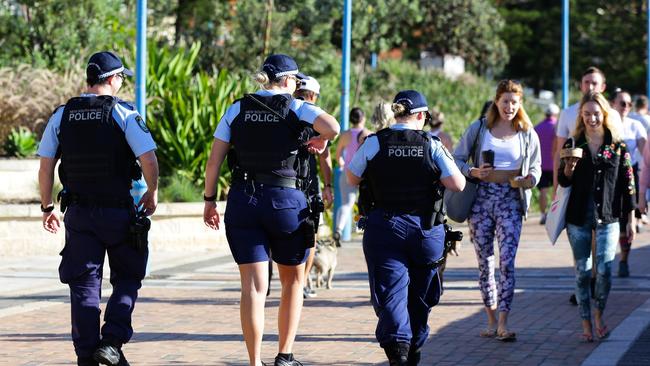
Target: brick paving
[189,314]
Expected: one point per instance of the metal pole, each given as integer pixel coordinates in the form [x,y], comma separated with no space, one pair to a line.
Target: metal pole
[345,105]
[141,58]
[565,53]
[373,60]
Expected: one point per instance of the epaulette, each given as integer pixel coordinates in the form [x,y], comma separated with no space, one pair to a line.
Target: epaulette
[129,105]
[57,109]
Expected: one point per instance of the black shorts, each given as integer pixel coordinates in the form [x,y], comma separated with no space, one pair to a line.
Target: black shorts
[546,179]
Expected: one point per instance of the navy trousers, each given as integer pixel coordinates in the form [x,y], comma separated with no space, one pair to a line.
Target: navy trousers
[403,285]
[90,233]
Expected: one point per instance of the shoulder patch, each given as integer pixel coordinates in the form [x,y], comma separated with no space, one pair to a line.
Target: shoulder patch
[141,123]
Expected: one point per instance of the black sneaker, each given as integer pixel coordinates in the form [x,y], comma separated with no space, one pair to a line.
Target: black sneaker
[281,361]
[573,300]
[414,357]
[308,293]
[86,361]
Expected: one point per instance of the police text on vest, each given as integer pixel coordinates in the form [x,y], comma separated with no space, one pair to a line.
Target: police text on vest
[400,151]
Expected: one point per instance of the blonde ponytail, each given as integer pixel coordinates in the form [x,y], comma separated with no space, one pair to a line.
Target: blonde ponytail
[399,110]
[261,77]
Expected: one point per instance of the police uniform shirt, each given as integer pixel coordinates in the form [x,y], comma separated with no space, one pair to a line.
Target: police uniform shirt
[136,133]
[306,112]
[439,154]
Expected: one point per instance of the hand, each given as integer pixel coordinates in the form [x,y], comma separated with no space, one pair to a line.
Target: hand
[481,172]
[149,202]
[316,145]
[210,215]
[328,197]
[630,231]
[570,165]
[51,222]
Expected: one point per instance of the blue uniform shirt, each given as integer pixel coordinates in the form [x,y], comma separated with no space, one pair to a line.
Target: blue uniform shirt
[138,139]
[306,112]
[441,157]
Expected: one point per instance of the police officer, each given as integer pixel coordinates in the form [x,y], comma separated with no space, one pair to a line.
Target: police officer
[266,210]
[403,240]
[98,139]
[309,91]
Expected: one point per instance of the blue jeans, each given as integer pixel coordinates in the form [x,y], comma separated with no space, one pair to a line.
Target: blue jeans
[580,240]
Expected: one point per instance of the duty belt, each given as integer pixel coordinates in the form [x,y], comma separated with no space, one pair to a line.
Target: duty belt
[270,179]
[104,202]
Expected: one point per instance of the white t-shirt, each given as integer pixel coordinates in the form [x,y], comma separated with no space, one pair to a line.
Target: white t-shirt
[631,132]
[507,152]
[643,118]
[568,117]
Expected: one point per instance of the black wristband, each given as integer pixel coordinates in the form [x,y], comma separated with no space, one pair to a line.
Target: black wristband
[210,198]
[47,209]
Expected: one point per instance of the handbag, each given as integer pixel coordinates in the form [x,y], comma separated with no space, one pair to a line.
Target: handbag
[459,204]
[555,218]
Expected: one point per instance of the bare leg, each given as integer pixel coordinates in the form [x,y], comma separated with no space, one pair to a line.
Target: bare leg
[492,316]
[503,322]
[309,263]
[254,283]
[292,279]
[543,199]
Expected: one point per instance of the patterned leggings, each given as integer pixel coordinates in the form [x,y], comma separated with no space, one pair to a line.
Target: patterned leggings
[497,209]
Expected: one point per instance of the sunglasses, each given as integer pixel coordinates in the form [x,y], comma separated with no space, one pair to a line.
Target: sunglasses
[625,104]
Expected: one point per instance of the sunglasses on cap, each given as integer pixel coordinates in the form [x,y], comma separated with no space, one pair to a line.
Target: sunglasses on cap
[624,104]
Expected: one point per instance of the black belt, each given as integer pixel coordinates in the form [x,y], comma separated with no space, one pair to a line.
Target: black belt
[104,202]
[270,179]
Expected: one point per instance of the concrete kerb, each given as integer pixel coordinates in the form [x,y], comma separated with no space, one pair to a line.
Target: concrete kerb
[612,350]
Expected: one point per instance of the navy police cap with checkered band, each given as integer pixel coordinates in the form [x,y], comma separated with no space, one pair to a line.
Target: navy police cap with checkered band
[279,65]
[412,100]
[104,64]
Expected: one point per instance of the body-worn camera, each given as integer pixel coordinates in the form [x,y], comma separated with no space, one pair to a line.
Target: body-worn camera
[139,232]
[317,205]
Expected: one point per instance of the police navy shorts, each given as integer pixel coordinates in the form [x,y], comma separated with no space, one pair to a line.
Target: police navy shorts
[546,180]
[260,219]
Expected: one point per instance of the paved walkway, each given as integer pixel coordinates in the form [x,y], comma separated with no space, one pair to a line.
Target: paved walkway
[188,313]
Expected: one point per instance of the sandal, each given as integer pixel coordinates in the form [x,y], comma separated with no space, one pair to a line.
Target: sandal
[488,333]
[506,336]
[586,338]
[603,332]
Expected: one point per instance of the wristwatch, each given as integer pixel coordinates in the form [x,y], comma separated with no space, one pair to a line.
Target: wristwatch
[47,209]
[210,198]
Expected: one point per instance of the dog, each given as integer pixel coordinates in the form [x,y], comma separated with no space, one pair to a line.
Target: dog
[325,262]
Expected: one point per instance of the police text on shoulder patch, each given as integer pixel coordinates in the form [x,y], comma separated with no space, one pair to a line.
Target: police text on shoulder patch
[142,124]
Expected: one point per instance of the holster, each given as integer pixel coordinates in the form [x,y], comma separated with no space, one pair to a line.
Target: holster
[139,232]
[307,228]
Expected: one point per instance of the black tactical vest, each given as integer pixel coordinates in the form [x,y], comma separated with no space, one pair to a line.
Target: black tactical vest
[266,137]
[96,160]
[402,176]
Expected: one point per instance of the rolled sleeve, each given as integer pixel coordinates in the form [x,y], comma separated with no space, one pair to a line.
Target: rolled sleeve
[443,160]
[366,152]
[50,141]
[223,128]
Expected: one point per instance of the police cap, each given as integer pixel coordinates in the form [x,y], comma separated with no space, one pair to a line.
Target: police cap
[104,64]
[412,100]
[279,65]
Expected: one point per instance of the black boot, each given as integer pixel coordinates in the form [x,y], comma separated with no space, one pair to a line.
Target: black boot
[414,357]
[110,354]
[86,361]
[397,353]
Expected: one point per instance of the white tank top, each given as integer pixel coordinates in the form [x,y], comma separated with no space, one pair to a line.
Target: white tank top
[507,152]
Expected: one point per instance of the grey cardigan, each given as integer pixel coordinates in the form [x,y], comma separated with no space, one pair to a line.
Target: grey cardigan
[529,142]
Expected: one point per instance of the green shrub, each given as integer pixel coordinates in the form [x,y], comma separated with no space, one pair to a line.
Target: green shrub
[21,143]
[179,188]
[184,109]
